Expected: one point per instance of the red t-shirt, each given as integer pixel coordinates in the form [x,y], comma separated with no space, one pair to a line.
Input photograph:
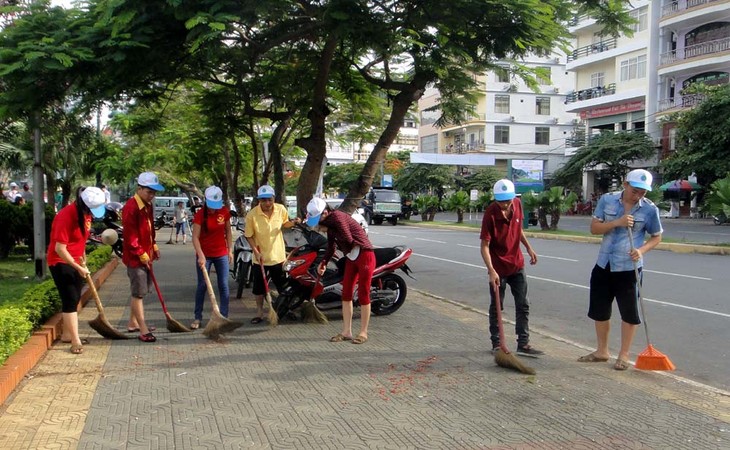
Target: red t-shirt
[213,234]
[504,238]
[65,230]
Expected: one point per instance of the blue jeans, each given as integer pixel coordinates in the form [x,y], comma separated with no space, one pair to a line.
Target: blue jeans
[518,285]
[221,271]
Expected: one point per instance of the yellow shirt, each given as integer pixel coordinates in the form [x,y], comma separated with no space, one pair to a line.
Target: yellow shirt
[266,232]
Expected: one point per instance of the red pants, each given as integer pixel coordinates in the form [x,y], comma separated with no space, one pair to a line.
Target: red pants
[359,271]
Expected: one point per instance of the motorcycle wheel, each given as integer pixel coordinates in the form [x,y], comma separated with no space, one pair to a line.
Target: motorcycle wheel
[396,283]
[284,304]
[238,275]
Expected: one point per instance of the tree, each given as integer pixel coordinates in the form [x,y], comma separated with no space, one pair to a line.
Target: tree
[422,178]
[718,201]
[703,138]
[459,202]
[614,151]
[553,202]
[341,176]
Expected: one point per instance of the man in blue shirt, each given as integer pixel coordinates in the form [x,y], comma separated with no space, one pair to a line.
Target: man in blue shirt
[613,275]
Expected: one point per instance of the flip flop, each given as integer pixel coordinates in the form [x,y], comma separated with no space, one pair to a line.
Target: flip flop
[360,339]
[135,330]
[84,341]
[339,337]
[195,325]
[621,364]
[77,349]
[256,320]
[591,358]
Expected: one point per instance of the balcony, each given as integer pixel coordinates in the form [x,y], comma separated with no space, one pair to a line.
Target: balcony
[683,5]
[464,147]
[694,51]
[587,94]
[680,102]
[597,47]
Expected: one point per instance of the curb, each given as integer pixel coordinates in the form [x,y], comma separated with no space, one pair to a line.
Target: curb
[17,366]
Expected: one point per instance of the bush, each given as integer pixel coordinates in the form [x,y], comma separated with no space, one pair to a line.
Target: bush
[19,317]
[16,225]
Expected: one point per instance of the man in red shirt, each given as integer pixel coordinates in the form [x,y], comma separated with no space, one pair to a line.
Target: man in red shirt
[139,249]
[501,236]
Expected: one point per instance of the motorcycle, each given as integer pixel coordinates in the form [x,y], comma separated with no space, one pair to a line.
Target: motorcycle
[112,216]
[163,220]
[720,219]
[242,261]
[388,289]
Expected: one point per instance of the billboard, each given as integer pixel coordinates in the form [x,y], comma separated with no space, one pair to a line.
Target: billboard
[527,175]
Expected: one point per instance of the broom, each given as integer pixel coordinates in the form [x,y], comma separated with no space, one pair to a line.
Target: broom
[502,356]
[650,358]
[100,324]
[310,312]
[273,316]
[217,324]
[173,325]
[169,241]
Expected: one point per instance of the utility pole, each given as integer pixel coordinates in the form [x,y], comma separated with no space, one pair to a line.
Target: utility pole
[39,211]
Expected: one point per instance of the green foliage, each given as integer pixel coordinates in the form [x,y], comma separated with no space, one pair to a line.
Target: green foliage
[551,202]
[482,180]
[459,201]
[718,200]
[427,205]
[15,329]
[16,224]
[340,177]
[421,178]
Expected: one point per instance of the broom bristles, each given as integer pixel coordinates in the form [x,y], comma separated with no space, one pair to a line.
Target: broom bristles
[653,359]
[510,361]
[218,325]
[311,314]
[273,316]
[173,326]
[104,328]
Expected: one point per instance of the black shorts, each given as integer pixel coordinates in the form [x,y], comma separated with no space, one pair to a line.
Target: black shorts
[275,272]
[607,285]
[68,282]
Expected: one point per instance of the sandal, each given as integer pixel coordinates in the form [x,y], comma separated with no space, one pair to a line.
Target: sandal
[77,349]
[360,339]
[149,337]
[340,337]
[135,330]
[84,341]
[195,325]
[621,364]
[591,358]
[256,320]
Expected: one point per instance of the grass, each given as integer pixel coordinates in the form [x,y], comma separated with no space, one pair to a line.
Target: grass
[17,274]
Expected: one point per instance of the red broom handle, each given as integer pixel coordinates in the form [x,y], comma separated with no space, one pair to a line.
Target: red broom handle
[157,288]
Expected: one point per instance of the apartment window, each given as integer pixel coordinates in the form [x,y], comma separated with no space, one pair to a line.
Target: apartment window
[641,15]
[542,106]
[501,104]
[502,74]
[429,144]
[633,68]
[597,79]
[544,75]
[542,135]
[429,117]
[501,134]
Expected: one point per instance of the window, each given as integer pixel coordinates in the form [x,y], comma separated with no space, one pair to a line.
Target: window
[633,68]
[429,144]
[502,74]
[597,79]
[641,15]
[542,135]
[501,104]
[544,75]
[501,134]
[542,106]
[429,117]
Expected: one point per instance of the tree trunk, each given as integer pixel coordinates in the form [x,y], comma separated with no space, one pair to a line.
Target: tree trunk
[542,218]
[459,216]
[275,155]
[554,219]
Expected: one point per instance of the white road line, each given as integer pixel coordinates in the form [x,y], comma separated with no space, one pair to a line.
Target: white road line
[565,283]
[678,275]
[541,256]
[430,240]
[468,246]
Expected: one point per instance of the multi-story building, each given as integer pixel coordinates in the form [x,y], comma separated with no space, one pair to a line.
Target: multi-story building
[510,121]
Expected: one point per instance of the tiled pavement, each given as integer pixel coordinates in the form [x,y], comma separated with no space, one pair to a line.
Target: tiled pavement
[424,380]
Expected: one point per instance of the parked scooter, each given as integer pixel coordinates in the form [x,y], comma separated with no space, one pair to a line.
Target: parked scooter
[111,219]
[388,290]
[720,219]
[242,261]
[163,220]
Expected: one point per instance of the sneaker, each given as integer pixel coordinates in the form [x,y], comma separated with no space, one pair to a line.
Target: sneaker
[527,350]
[149,337]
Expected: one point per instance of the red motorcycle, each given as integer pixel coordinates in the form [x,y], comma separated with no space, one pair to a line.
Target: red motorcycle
[388,289]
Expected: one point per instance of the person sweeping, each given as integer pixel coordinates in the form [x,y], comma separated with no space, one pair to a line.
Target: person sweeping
[213,247]
[66,257]
[613,276]
[263,232]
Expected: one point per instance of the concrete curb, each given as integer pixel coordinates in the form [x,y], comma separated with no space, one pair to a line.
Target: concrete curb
[17,366]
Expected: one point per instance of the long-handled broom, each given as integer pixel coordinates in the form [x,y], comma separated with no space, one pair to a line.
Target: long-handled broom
[273,316]
[650,358]
[100,324]
[310,312]
[173,325]
[502,356]
[217,324]
[169,241]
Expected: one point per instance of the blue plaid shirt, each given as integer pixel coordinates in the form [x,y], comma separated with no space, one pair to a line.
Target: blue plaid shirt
[615,246]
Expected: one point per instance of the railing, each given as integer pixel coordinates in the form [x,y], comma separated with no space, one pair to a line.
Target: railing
[586,94]
[682,101]
[465,147]
[580,140]
[597,47]
[693,51]
[674,7]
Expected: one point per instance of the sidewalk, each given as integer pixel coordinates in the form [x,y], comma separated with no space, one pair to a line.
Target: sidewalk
[425,379]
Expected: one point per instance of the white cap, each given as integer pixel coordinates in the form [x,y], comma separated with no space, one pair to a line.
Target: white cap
[214,197]
[13,184]
[265,191]
[315,207]
[95,199]
[640,179]
[149,179]
[503,190]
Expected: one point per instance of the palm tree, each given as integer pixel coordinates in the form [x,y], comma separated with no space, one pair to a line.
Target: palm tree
[458,202]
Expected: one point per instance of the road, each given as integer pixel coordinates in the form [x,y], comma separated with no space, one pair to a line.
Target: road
[686,294]
[684,230]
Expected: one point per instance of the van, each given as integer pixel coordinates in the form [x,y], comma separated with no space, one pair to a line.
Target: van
[168,204]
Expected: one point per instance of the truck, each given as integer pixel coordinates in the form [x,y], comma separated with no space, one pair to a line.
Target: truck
[382,203]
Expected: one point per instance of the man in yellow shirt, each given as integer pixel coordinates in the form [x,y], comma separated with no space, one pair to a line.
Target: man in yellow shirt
[263,231]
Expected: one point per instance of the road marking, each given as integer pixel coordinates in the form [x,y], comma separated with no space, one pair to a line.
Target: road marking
[430,240]
[565,283]
[672,274]
[468,246]
[541,256]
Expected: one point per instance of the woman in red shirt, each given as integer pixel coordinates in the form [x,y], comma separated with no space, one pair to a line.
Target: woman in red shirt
[67,257]
[212,243]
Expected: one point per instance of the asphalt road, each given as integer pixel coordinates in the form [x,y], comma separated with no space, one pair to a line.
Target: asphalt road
[686,294]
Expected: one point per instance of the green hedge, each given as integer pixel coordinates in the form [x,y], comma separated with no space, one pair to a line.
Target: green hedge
[16,224]
[20,317]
